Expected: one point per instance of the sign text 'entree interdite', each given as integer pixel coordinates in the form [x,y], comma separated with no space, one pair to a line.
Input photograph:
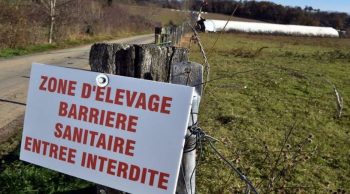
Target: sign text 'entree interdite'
[128,135]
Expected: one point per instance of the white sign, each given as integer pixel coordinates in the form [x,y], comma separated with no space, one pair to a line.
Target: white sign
[128,135]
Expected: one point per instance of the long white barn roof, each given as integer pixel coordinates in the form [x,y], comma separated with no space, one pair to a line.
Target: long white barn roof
[253,27]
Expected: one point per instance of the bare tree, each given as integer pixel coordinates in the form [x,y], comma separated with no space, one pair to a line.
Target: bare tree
[51,8]
[52,18]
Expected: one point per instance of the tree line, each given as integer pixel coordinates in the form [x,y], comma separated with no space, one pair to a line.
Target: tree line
[275,13]
[261,10]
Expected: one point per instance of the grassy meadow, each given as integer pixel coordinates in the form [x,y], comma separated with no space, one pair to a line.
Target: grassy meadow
[273,108]
[277,119]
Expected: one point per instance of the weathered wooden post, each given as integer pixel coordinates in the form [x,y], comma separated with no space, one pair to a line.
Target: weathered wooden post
[170,35]
[157,35]
[164,35]
[188,73]
[158,63]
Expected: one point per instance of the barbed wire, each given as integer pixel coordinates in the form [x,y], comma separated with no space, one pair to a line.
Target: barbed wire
[221,32]
[202,136]
[204,55]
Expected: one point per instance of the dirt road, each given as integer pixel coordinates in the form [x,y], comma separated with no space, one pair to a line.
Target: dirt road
[14,78]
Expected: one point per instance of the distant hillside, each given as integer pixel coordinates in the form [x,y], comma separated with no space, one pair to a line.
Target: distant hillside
[164,16]
[261,10]
[218,16]
[275,13]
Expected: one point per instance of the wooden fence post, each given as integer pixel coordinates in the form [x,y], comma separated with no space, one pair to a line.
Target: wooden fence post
[170,35]
[188,73]
[152,62]
[157,35]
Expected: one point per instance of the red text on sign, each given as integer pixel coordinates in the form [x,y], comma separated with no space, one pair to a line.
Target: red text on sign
[132,99]
[52,150]
[95,139]
[59,86]
[97,116]
[125,170]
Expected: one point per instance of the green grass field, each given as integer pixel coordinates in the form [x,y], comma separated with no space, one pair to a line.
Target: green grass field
[283,90]
[288,90]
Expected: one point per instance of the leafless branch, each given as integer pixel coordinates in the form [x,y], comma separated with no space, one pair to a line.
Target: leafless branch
[340,102]
[339,98]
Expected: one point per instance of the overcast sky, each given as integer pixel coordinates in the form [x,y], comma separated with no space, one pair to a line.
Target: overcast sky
[324,5]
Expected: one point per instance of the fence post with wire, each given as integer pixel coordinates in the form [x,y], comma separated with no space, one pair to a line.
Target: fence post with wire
[189,73]
[158,63]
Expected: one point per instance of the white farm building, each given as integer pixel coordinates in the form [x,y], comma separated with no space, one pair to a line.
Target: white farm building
[267,28]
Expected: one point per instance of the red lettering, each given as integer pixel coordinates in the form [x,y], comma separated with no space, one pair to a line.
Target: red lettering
[86,132]
[62,111]
[73,112]
[45,144]
[108,95]
[121,119]
[111,165]
[43,82]
[163,180]
[71,155]
[86,91]
[58,128]
[83,158]
[28,143]
[71,88]
[122,170]
[96,116]
[143,177]
[62,153]
[109,118]
[153,103]
[101,142]
[67,133]
[62,86]
[166,103]
[78,134]
[141,101]
[110,142]
[102,162]
[36,146]
[134,173]
[53,151]
[129,147]
[102,117]
[118,145]
[59,86]
[152,173]
[52,84]
[93,117]
[83,110]
[93,135]
[130,98]
[99,94]
[119,96]
[91,161]
[132,123]
[127,171]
